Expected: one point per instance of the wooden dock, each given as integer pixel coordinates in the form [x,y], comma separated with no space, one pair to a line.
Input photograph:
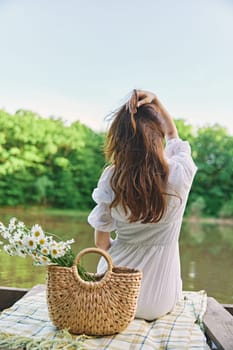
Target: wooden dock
[218,322]
[218,319]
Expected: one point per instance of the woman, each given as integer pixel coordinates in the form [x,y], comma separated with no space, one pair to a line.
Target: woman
[142,196]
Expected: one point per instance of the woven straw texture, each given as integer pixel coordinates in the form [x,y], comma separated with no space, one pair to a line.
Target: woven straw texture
[103,307]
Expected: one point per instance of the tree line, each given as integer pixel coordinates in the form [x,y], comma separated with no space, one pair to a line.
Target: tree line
[45,162]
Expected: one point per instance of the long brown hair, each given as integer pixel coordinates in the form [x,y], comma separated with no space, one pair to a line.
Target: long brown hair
[135,147]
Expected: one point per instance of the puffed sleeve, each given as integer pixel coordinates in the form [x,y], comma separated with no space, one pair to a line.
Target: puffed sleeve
[182,166]
[100,217]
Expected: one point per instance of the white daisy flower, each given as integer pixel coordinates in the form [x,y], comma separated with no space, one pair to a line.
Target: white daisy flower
[18,246]
[21,225]
[5,234]
[44,251]
[68,243]
[42,241]
[15,238]
[4,231]
[60,246]
[65,245]
[2,227]
[20,232]
[20,252]
[12,225]
[32,253]
[29,242]
[45,260]
[41,260]
[36,260]
[11,240]
[37,232]
[56,252]
[8,249]
[12,221]
[19,242]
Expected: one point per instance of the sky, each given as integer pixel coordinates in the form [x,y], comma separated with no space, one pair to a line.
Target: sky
[79,60]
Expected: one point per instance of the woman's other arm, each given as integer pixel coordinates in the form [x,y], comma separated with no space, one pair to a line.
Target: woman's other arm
[102,240]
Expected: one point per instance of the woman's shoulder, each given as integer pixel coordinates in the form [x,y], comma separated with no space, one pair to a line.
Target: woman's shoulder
[176,146]
[182,168]
[103,192]
[107,173]
[179,156]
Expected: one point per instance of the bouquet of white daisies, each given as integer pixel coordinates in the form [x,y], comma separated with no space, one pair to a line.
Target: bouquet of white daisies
[42,248]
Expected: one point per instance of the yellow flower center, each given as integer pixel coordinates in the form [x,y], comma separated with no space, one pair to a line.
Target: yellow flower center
[31,243]
[42,241]
[54,251]
[37,234]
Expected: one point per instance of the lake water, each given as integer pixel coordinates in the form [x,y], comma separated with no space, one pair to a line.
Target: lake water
[206,253]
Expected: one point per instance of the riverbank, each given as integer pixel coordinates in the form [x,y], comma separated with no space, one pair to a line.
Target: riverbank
[17,211]
[209,220]
[82,215]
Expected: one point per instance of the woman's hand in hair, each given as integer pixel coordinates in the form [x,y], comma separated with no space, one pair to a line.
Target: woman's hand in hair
[144,97]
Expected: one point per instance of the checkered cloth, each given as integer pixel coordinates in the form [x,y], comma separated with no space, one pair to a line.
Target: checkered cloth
[27,324]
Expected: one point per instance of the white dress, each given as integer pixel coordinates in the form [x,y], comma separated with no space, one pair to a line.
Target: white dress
[152,248]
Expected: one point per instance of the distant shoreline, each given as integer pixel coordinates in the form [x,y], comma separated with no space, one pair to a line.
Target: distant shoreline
[209,220]
[82,214]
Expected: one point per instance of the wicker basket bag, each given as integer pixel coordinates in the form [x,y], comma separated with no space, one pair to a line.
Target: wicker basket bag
[103,307]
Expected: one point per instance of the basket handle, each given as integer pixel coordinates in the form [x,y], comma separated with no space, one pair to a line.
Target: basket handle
[94,250]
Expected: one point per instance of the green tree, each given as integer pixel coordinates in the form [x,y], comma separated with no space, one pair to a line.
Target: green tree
[185,130]
[196,208]
[213,154]
[227,209]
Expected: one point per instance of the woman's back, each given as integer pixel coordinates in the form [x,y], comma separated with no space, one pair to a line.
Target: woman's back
[151,246]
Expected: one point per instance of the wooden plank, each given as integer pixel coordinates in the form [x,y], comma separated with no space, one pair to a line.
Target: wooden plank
[219,325]
[15,294]
[8,296]
[36,289]
[228,307]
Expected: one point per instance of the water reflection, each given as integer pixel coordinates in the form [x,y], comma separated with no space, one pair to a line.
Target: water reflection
[206,253]
[207,259]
